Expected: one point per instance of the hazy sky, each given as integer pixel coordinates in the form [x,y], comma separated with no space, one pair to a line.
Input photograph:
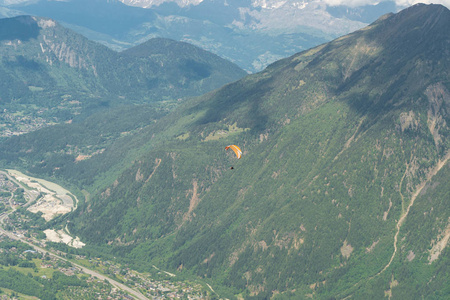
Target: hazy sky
[399,2]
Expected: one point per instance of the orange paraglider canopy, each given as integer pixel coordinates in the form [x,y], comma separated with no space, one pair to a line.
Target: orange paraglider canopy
[236,150]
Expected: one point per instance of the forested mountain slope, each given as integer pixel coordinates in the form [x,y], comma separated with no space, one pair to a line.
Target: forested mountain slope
[342,189]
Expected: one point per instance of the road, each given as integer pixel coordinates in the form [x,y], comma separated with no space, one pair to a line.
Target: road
[115,283]
[12,179]
[16,237]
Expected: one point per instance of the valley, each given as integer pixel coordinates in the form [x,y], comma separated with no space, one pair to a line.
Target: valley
[124,282]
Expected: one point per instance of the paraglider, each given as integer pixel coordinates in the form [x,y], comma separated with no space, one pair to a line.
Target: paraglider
[236,150]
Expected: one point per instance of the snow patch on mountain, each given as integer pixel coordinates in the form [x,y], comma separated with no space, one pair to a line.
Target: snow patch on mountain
[150,3]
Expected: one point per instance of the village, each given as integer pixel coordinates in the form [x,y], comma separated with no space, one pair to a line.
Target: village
[18,123]
[44,266]
[24,204]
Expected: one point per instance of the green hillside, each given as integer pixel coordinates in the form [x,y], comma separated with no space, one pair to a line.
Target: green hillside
[342,189]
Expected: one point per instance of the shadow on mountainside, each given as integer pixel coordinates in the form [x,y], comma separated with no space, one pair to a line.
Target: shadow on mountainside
[237,103]
[21,28]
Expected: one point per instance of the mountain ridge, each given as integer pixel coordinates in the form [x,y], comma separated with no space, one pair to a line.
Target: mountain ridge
[250,35]
[252,251]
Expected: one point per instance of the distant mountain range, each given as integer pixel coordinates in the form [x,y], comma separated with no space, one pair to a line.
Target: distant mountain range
[50,74]
[251,34]
[341,192]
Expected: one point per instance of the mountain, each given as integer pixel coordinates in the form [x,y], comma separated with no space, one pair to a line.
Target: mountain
[342,189]
[51,74]
[251,34]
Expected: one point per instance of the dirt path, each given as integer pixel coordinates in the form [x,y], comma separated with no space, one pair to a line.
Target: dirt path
[351,139]
[170,274]
[433,172]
